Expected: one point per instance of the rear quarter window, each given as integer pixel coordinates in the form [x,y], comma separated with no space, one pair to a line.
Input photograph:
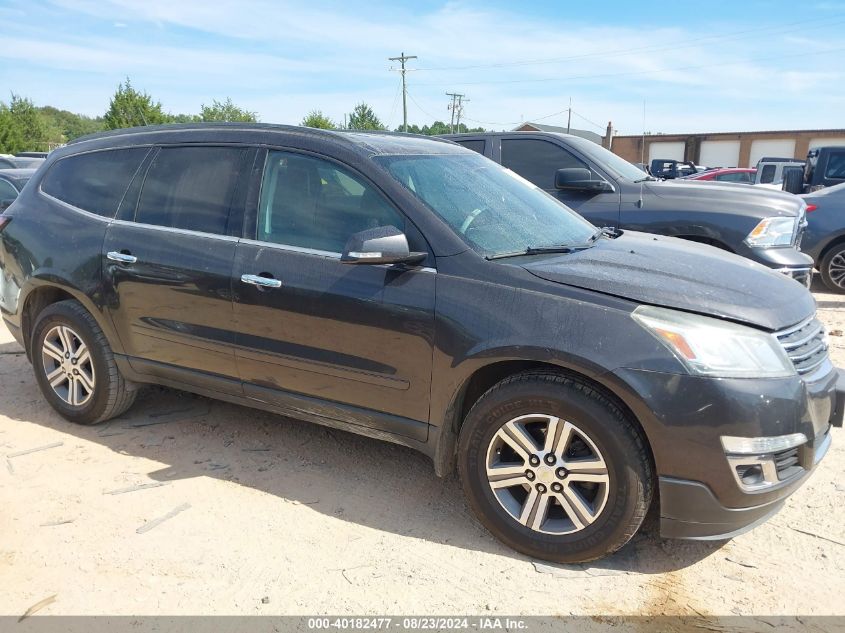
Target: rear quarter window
[95,181]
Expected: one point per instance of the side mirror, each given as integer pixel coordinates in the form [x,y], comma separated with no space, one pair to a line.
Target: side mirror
[381,245]
[580,179]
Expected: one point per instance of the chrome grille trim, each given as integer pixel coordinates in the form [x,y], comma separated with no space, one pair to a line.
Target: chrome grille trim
[805,344]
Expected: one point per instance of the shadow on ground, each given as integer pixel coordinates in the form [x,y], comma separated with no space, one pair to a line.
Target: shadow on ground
[350,477]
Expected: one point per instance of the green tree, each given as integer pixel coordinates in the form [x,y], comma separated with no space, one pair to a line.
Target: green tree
[363,118]
[184,118]
[226,111]
[21,127]
[317,119]
[130,108]
[71,125]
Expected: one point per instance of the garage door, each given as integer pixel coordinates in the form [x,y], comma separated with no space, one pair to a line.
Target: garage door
[827,142]
[780,148]
[719,153]
[666,150]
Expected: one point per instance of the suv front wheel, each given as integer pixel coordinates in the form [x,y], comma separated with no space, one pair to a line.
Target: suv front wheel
[554,469]
[75,367]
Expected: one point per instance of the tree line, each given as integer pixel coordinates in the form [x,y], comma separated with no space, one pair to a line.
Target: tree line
[27,127]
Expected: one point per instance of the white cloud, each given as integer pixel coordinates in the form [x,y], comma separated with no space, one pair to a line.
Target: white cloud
[285,59]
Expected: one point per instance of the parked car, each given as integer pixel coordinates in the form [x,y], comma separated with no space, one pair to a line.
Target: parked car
[824,167]
[610,192]
[408,289]
[726,174]
[11,183]
[824,239]
[32,154]
[772,169]
[669,168]
[19,162]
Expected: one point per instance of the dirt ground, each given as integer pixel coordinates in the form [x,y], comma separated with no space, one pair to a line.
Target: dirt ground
[191,506]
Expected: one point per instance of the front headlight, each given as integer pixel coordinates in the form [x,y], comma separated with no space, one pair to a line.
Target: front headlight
[712,347]
[772,232]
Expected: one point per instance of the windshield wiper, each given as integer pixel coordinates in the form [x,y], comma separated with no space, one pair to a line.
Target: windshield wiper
[538,250]
[645,179]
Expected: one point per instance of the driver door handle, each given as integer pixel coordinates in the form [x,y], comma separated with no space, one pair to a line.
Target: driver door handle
[121,258]
[261,282]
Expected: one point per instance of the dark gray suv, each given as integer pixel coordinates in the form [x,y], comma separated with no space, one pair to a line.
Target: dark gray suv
[414,291]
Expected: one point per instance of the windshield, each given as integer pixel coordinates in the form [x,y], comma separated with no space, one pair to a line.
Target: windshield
[491,208]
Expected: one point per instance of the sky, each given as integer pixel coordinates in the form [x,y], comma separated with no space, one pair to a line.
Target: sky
[645,66]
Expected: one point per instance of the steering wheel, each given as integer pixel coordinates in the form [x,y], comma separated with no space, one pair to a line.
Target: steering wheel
[470,219]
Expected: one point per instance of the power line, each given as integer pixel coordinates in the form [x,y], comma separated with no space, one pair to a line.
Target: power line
[685,43]
[402,59]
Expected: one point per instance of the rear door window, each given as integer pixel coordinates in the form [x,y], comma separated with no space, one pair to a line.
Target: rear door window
[768,174]
[191,188]
[537,160]
[95,181]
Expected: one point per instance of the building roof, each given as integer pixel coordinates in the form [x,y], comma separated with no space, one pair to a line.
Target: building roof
[652,135]
[528,126]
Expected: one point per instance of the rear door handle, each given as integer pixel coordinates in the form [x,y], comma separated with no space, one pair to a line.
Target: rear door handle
[261,282]
[121,258]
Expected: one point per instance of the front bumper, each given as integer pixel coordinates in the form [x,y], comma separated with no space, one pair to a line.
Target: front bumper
[787,260]
[701,496]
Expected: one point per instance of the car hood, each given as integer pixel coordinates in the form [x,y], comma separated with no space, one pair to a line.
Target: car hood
[728,196]
[674,273]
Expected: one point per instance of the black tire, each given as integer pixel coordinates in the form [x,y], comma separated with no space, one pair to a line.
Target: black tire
[111,394]
[836,253]
[620,442]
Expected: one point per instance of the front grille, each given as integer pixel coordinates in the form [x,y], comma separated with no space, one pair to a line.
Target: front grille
[805,344]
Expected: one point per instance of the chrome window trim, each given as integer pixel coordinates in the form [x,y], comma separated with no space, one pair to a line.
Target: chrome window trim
[171,229]
[292,248]
[74,208]
[318,253]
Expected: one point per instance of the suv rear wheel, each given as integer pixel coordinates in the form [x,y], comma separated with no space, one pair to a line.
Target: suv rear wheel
[554,469]
[75,367]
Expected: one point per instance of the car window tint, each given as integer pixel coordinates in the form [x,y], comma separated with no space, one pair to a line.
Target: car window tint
[7,191]
[835,165]
[768,174]
[733,177]
[309,202]
[475,146]
[95,181]
[537,161]
[190,188]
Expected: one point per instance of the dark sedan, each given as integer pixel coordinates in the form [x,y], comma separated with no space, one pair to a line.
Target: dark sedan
[824,238]
[11,183]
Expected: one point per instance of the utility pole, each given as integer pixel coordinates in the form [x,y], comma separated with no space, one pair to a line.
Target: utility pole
[402,59]
[453,107]
[569,117]
[459,110]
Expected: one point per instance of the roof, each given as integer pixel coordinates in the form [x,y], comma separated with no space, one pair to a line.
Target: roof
[543,127]
[375,142]
[838,131]
[18,174]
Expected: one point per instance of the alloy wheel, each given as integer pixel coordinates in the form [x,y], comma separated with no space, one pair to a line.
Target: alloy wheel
[68,365]
[547,474]
[836,269]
